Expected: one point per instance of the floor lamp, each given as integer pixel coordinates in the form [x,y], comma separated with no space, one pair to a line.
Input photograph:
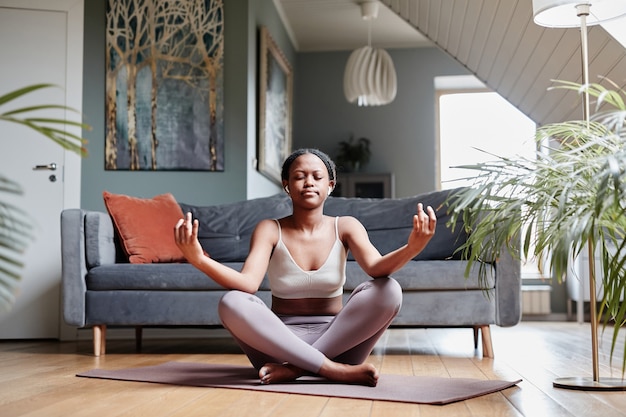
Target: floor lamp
[569,14]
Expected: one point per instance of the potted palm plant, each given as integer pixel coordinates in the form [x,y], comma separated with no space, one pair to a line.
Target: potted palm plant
[354,154]
[15,228]
[570,199]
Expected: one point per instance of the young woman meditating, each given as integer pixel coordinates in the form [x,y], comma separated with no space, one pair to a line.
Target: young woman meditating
[308,330]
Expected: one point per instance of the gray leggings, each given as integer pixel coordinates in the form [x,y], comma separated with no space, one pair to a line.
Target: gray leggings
[305,341]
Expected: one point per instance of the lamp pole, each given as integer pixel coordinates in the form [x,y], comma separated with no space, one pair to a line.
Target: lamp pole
[582,11]
[606,384]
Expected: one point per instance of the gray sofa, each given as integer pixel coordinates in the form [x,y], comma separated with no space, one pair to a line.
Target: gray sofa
[100,288]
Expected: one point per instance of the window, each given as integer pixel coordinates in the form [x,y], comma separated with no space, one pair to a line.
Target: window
[474,125]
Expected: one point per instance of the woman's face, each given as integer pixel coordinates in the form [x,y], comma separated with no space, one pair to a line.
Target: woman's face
[308,178]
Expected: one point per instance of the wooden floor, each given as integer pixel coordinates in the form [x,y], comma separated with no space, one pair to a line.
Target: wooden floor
[37,378]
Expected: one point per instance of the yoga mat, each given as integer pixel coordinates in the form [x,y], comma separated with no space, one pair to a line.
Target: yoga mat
[399,388]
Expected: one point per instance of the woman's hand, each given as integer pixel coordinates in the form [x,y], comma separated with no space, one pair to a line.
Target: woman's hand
[424,225]
[186,237]
[368,257]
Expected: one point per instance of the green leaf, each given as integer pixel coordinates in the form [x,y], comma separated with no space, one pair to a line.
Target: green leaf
[570,195]
[10,96]
[16,230]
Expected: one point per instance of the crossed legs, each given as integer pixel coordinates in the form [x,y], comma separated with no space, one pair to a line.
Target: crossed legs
[284,348]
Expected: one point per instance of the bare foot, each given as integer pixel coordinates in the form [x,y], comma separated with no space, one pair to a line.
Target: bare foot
[363,374]
[274,373]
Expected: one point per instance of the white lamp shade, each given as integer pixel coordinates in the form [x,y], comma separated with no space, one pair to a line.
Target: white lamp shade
[563,13]
[370,77]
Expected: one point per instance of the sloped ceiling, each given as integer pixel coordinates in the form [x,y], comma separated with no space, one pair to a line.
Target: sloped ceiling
[498,41]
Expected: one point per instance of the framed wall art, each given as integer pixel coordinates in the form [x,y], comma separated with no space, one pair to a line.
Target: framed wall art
[164,85]
[275,101]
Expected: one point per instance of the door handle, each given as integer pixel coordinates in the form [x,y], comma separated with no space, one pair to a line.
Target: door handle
[50,167]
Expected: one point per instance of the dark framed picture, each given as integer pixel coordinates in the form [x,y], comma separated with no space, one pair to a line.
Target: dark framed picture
[275,100]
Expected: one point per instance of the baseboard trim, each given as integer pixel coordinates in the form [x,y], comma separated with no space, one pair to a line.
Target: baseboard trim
[545,317]
[125,333]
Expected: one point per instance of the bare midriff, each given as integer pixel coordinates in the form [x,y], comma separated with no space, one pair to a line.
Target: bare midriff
[307,306]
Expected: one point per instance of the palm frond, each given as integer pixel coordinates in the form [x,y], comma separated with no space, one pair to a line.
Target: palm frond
[61,136]
[573,193]
[16,230]
[16,233]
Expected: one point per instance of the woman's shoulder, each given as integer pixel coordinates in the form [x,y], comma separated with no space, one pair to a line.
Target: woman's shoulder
[347,219]
[282,221]
[267,221]
[267,228]
[348,223]
[351,231]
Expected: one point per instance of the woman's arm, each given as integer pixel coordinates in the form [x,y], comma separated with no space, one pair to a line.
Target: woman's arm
[368,257]
[254,268]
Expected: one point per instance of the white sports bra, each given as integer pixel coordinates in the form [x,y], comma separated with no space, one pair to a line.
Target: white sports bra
[287,280]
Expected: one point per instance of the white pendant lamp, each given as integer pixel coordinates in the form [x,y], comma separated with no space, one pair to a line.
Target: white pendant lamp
[370,77]
[573,14]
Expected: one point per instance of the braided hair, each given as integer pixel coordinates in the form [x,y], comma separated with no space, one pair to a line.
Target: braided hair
[328,162]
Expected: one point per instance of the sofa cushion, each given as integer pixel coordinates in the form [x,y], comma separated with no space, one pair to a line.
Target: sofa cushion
[429,276]
[389,222]
[145,226]
[156,277]
[225,230]
[415,276]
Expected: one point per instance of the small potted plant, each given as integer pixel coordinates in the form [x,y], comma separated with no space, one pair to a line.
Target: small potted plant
[354,154]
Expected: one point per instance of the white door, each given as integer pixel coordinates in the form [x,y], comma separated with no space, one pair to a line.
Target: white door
[38,44]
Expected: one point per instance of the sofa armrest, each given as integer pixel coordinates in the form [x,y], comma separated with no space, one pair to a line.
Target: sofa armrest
[87,240]
[508,284]
[100,247]
[508,290]
[73,266]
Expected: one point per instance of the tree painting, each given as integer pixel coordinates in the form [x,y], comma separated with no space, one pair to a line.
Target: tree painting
[164,85]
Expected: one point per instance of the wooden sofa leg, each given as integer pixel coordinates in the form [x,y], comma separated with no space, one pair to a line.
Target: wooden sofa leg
[485,333]
[99,339]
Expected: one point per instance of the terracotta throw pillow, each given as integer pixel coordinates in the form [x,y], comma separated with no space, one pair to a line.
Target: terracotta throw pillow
[146,226]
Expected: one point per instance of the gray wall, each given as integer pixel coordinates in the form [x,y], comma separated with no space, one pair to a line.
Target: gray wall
[402,133]
[239,180]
